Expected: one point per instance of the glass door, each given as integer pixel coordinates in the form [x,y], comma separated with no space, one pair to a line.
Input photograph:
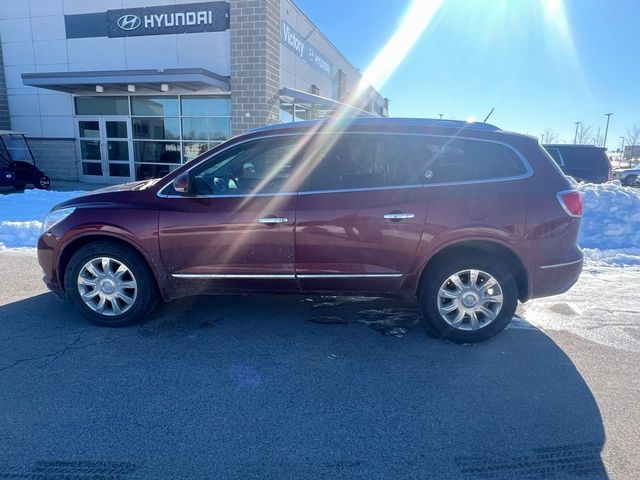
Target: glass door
[105,149]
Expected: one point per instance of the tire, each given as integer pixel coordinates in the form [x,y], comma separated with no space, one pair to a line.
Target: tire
[127,298]
[630,180]
[43,183]
[432,299]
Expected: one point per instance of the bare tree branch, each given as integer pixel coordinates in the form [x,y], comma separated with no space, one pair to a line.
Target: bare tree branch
[585,134]
[550,135]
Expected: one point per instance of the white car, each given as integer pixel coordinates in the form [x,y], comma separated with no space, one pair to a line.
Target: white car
[628,176]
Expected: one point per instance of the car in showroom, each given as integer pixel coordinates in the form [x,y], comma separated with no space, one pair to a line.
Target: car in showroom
[585,163]
[17,164]
[629,177]
[463,218]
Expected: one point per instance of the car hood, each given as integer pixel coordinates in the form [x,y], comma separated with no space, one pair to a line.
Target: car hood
[109,196]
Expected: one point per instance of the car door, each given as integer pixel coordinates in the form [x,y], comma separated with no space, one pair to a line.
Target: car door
[234,230]
[360,214]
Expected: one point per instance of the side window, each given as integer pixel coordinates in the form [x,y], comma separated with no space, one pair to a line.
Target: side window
[262,166]
[461,160]
[355,161]
[555,154]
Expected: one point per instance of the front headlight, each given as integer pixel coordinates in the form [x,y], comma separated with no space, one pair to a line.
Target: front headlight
[54,217]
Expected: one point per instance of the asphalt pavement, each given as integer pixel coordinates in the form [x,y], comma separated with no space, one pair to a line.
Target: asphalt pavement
[248,387]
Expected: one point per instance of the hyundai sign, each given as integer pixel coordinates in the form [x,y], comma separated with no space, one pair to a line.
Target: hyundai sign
[160,20]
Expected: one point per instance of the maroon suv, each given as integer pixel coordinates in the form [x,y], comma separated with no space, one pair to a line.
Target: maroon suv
[463,217]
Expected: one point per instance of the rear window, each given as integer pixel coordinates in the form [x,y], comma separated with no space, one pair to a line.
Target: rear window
[463,160]
[580,156]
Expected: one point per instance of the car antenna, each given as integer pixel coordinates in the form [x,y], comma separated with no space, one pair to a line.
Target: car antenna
[487,117]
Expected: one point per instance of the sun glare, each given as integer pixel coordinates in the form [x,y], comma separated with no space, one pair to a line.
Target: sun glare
[413,24]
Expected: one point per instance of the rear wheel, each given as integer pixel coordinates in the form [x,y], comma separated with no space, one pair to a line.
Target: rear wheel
[468,299]
[110,284]
[43,183]
[630,180]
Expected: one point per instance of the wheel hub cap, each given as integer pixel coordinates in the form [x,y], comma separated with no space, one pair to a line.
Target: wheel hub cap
[107,286]
[470,299]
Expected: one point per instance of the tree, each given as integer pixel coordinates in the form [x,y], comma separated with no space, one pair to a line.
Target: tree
[633,135]
[550,135]
[585,134]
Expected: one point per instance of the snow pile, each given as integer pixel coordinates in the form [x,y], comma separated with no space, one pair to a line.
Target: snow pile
[610,231]
[21,215]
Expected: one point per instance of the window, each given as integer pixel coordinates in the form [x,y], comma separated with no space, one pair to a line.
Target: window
[202,128]
[102,106]
[363,161]
[356,161]
[263,166]
[198,106]
[176,129]
[462,160]
[155,106]
[555,154]
[156,128]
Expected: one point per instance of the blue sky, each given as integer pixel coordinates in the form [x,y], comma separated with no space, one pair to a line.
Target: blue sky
[539,68]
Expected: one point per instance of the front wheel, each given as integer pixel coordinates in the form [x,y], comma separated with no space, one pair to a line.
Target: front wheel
[468,299]
[110,284]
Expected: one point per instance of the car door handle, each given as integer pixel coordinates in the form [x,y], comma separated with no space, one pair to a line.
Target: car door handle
[397,216]
[272,220]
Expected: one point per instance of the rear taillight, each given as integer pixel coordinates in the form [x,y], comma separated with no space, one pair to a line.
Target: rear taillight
[571,202]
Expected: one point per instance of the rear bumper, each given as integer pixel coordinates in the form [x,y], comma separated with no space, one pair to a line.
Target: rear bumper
[557,278]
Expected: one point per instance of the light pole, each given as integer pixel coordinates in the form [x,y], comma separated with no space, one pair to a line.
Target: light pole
[542,138]
[621,151]
[575,138]
[440,115]
[606,130]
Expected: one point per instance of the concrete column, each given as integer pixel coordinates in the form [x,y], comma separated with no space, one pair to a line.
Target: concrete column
[5,118]
[255,63]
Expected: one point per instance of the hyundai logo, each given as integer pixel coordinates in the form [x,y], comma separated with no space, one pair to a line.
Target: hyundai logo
[129,22]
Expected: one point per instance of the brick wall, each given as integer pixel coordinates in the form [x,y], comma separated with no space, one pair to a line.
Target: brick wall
[255,63]
[5,119]
[56,157]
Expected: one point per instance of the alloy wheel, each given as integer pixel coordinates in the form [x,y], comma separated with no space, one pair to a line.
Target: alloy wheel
[107,286]
[470,299]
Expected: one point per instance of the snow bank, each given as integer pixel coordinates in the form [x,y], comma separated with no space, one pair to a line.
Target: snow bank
[611,219]
[21,215]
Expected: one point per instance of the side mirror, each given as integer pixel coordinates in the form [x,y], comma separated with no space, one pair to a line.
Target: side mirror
[182,183]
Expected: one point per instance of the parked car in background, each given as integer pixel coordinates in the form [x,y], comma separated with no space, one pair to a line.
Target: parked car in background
[461,217]
[17,164]
[628,176]
[585,163]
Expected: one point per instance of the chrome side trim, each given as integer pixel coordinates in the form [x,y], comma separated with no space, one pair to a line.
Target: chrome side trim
[558,265]
[284,276]
[527,165]
[267,276]
[350,275]
[399,216]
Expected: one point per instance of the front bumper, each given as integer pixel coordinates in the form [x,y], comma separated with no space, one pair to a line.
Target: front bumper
[46,259]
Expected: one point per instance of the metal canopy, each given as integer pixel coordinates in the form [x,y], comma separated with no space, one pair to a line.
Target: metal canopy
[298,96]
[179,80]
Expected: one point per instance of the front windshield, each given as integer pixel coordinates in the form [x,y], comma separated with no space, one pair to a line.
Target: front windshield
[16,148]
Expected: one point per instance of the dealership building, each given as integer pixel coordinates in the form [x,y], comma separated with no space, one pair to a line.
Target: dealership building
[109,91]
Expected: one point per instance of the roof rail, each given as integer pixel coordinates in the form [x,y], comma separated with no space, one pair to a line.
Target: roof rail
[417,122]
